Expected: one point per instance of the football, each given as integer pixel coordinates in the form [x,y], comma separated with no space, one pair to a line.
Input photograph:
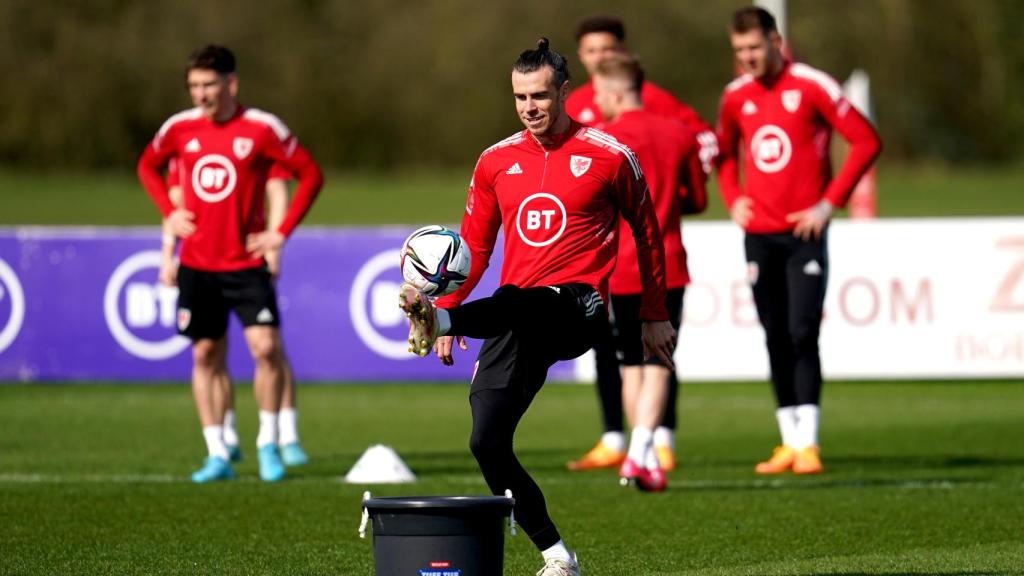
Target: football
[435,260]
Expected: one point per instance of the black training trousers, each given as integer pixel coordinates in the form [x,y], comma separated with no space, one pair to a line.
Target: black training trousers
[526,331]
[609,378]
[788,277]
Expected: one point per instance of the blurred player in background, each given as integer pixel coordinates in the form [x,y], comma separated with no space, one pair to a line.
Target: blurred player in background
[558,189]
[781,115]
[668,157]
[292,453]
[598,37]
[225,152]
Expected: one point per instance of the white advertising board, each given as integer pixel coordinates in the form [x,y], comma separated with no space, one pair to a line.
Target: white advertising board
[921,298]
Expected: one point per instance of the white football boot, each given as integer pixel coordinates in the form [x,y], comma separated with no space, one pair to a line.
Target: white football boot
[422,319]
[559,567]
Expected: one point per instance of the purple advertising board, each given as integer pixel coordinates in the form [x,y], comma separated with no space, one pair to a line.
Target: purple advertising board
[84,304]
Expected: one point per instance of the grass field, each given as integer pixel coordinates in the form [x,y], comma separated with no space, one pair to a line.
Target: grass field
[923,478]
[419,197]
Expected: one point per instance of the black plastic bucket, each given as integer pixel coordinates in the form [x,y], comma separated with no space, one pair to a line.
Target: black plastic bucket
[439,535]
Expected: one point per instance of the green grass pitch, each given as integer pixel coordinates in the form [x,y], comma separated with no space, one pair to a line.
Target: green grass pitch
[419,197]
[922,478]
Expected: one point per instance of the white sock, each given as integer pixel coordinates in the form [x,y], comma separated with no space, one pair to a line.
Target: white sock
[650,461]
[230,432]
[268,429]
[614,441]
[807,416]
[444,322]
[215,441]
[558,551]
[287,426]
[664,437]
[639,443]
[786,417]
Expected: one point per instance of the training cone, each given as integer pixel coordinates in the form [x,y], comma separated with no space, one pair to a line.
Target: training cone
[380,465]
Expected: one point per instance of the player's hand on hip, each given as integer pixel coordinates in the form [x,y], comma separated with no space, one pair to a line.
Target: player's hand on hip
[181,222]
[660,341]
[811,222]
[274,263]
[263,243]
[742,210]
[443,348]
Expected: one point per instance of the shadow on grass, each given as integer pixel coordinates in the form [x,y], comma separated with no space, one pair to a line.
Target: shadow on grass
[431,464]
[821,483]
[422,463]
[904,573]
[910,462]
[445,463]
[928,461]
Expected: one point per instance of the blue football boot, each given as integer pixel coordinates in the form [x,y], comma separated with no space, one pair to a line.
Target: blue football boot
[294,455]
[271,467]
[214,468]
[234,452]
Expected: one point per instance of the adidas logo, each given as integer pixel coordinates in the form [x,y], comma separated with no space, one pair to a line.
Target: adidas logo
[193,145]
[812,268]
[749,108]
[514,169]
[265,316]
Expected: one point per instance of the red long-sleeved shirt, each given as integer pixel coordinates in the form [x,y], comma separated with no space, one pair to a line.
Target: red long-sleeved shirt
[672,168]
[223,168]
[785,126]
[656,100]
[559,206]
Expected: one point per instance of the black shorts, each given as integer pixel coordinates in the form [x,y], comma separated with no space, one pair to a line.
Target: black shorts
[626,320]
[206,298]
[559,323]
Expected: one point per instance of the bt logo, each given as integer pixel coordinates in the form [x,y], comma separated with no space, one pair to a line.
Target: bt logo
[533,219]
[214,178]
[12,305]
[140,312]
[770,148]
[373,307]
[541,219]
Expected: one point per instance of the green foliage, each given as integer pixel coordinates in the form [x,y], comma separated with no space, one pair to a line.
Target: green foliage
[398,83]
[922,478]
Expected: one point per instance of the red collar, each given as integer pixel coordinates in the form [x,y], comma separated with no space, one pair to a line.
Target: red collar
[557,141]
[768,83]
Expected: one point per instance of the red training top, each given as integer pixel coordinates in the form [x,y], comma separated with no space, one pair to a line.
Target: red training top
[673,171]
[656,100]
[786,124]
[559,206]
[223,168]
[174,173]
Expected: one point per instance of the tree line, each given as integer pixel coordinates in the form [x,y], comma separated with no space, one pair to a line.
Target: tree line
[398,83]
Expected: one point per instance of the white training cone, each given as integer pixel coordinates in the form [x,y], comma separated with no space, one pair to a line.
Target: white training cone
[380,465]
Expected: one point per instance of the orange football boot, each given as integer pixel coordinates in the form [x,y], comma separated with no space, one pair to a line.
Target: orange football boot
[666,458]
[599,457]
[781,461]
[807,461]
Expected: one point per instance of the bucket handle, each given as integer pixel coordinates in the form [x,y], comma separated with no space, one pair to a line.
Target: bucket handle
[365,518]
[511,515]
